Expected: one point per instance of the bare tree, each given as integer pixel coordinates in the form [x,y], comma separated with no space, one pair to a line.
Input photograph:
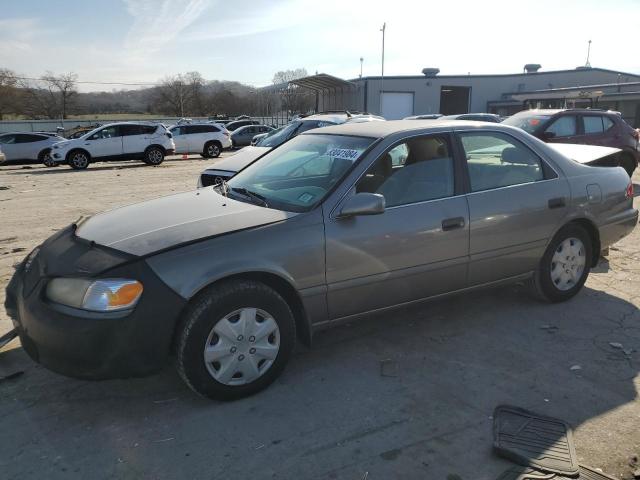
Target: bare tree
[8,92]
[294,99]
[175,92]
[36,102]
[196,100]
[62,88]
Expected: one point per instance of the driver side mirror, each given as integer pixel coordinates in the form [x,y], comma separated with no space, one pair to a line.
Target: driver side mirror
[548,135]
[363,204]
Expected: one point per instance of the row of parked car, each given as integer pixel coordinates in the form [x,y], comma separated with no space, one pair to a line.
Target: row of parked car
[151,142]
[146,141]
[327,225]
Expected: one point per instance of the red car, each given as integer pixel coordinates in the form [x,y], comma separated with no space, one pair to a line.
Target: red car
[583,126]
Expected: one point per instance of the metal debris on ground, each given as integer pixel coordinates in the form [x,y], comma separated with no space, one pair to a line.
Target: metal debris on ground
[12,376]
[7,337]
[388,368]
[549,328]
[575,367]
[616,345]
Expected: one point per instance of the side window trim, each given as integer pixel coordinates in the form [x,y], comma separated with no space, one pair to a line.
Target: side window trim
[549,173]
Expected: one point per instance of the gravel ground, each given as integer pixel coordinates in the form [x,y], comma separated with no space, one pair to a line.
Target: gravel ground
[406,394]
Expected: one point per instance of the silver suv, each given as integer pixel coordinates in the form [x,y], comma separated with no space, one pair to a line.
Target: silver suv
[207,139]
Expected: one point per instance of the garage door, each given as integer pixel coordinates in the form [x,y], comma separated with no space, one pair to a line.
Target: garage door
[396,105]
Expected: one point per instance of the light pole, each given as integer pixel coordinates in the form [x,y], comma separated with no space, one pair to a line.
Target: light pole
[384,27]
[587,64]
[361,60]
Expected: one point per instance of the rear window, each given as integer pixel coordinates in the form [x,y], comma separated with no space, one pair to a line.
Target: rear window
[529,122]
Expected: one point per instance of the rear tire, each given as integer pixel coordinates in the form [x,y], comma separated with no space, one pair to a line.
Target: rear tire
[565,265]
[78,159]
[212,150]
[46,158]
[153,156]
[213,357]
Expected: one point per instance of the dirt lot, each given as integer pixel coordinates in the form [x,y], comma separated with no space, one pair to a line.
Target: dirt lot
[334,413]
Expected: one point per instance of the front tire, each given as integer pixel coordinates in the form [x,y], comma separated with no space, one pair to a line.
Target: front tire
[153,156]
[235,340]
[212,150]
[46,158]
[565,265]
[78,159]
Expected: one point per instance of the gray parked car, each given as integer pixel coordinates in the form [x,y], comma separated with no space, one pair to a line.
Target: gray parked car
[331,225]
[29,146]
[242,136]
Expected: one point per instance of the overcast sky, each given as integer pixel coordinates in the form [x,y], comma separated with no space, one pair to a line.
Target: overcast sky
[145,40]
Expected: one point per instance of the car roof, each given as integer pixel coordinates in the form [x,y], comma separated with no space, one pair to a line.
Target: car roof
[384,129]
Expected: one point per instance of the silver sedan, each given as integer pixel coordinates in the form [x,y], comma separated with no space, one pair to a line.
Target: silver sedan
[334,224]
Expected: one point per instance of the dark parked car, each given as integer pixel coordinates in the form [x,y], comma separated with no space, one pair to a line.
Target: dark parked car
[241,137]
[425,116]
[232,126]
[586,126]
[335,223]
[476,117]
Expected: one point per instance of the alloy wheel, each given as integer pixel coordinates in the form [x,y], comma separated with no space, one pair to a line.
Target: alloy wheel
[79,160]
[155,156]
[213,150]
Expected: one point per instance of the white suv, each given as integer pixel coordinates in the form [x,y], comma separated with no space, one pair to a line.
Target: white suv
[207,139]
[149,142]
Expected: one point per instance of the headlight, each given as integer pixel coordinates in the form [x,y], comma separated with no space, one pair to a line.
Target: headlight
[96,295]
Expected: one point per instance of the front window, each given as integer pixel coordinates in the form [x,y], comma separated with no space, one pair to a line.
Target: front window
[106,132]
[418,170]
[298,175]
[529,122]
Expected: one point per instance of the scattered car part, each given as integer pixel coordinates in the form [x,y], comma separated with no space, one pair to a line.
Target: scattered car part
[533,440]
[7,337]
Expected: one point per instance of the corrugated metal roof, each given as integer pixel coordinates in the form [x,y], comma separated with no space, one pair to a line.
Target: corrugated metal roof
[322,81]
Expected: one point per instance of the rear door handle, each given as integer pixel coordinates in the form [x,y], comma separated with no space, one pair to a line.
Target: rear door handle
[452,223]
[556,202]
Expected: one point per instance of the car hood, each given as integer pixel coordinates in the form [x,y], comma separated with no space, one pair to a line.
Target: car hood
[163,223]
[583,153]
[64,143]
[237,162]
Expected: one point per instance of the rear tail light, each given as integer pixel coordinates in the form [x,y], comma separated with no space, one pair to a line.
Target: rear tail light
[226,134]
[169,135]
[628,193]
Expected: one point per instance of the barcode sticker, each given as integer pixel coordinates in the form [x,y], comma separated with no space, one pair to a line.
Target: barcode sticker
[345,153]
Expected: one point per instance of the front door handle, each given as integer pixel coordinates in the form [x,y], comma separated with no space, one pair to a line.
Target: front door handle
[556,202]
[452,223]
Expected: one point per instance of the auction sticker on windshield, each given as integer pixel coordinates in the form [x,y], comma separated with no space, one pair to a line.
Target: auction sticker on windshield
[345,153]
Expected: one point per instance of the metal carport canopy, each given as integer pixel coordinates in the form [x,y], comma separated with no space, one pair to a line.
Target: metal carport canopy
[322,81]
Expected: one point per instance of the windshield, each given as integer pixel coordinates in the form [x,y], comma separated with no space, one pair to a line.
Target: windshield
[269,134]
[296,176]
[279,137]
[529,122]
